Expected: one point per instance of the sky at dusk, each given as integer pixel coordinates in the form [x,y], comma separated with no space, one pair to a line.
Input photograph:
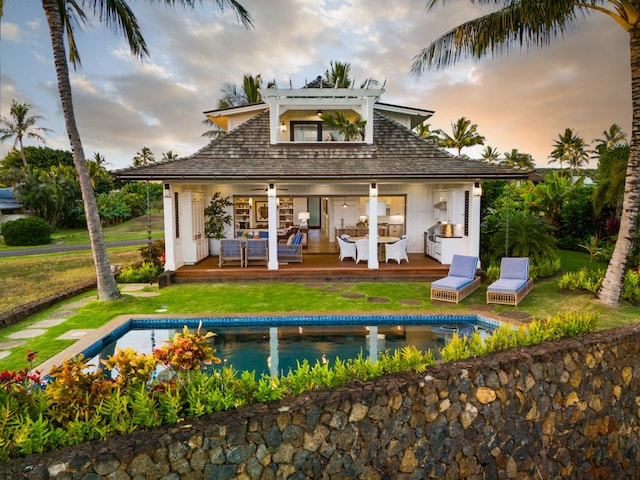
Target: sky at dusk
[522,100]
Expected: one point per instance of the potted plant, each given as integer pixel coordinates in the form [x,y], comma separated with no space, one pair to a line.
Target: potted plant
[217,221]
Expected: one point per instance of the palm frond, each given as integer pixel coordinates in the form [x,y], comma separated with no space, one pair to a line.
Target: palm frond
[519,23]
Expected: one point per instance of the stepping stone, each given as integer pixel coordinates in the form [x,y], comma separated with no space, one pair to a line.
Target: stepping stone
[74,334]
[64,314]
[377,300]
[4,353]
[333,290]
[79,303]
[51,322]
[409,301]
[352,295]
[11,344]
[28,333]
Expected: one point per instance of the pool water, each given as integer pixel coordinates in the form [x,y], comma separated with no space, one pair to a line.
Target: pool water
[274,345]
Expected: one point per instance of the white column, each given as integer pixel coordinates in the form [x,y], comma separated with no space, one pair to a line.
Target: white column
[273,227]
[474,219]
[169,228]
[373,227]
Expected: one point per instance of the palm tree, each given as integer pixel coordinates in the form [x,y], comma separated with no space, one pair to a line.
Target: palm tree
[490,154]
[339,75]
[570,148]
[535,23]
[62,16]
[610,139]
[21,125]
[170,155]
[516,159]
[143,157]
[214,131]
[424,130]
[464,134]
[250,94]
[99,159]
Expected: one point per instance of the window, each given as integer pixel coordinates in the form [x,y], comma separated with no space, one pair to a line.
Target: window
[310,131]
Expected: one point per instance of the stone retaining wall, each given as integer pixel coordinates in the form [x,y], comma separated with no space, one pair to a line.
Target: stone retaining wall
[18,314]
[564,409]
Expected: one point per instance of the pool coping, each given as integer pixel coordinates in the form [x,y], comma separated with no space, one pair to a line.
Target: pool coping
[92,336]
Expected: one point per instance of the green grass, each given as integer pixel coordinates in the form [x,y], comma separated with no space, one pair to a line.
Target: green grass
[135,229]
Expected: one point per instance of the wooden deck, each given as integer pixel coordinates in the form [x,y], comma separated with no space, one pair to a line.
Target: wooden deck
[314,267]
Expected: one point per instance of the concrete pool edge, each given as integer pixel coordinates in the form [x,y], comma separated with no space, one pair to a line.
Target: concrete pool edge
[95,335]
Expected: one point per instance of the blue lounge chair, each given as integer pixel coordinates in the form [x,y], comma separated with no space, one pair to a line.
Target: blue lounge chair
[256,251]
[291,251]
[459,283]
[514,282]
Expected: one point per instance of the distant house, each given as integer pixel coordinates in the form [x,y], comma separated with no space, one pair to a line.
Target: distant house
[281,165]
[10,208]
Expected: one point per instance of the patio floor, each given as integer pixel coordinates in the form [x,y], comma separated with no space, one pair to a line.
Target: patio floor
[315,267]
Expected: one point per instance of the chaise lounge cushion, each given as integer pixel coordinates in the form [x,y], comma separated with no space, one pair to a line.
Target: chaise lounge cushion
[507,285]
[463,266]
[452,282]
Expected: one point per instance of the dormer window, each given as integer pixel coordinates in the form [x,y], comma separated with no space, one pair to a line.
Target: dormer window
[304,113]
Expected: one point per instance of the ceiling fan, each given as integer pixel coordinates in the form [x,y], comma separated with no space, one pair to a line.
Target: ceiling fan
[345,204]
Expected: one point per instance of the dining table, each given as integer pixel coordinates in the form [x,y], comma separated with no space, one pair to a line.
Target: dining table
[382,240]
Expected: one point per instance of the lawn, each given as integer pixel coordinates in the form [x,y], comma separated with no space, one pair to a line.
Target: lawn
[215,299]
[134,229]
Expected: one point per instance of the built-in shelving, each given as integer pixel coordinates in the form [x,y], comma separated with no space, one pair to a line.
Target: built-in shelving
[285,213]
[242,212]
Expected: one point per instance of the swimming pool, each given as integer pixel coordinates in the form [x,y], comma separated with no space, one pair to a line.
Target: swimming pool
[274,345]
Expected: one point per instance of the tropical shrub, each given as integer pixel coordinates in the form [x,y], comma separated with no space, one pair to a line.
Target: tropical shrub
[631,287]
[154,253]
[145,273]
[584,280]
[577,219]
[26,231]
[112,208]
[545,267]
[506,336]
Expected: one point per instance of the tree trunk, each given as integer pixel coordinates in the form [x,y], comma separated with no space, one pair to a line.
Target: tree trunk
[107,286]
[611,288]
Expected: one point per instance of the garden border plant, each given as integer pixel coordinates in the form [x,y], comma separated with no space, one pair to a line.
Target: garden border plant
[76,404]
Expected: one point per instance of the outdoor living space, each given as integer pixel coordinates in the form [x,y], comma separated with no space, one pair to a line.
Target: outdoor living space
[320,261]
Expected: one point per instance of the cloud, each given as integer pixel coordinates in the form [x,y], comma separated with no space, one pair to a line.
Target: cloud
[520,100]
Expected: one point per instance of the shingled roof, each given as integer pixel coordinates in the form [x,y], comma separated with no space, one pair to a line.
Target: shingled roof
[245,153]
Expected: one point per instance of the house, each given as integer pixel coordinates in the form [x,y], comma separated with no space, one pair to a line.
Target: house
[282,165]
[10,208]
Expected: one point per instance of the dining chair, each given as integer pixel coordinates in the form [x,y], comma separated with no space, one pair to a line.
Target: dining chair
[347,249]
[362,249]
[396,251]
